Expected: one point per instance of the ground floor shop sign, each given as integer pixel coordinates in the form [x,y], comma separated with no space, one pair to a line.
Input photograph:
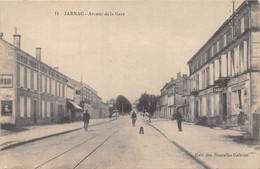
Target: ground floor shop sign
[218,89]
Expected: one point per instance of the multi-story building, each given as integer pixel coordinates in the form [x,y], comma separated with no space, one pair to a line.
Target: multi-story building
[111,102]
[224,73]
[30,90]
[164,101]
[104,110]
[174,95]
[73,110]
[88,98]
[34,92]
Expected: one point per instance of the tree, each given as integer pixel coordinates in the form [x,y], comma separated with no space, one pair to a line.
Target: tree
[122,105]
[147,103]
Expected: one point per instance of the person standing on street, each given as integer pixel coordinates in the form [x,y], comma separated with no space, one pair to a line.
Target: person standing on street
[179,119]
[86,118]
[134,117]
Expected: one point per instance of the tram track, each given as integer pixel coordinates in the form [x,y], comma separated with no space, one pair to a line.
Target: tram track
[77,146]
[78,164]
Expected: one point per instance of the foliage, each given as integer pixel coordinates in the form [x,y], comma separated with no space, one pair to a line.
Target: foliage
[147,103]
[122,105]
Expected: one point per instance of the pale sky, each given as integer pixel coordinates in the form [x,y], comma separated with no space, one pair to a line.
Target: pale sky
[116,55]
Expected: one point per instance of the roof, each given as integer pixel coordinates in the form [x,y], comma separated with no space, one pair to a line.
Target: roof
[18,49]
[220,28]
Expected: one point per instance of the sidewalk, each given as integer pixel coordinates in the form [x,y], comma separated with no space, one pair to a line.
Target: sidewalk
[216,147]
[33,133]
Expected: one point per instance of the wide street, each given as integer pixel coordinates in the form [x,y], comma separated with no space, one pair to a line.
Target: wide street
[116,144]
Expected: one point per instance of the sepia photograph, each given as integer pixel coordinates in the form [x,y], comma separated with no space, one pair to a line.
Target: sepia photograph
[167,84]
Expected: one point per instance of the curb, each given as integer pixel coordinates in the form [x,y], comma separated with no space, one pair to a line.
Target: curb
[182,148]
[48,136]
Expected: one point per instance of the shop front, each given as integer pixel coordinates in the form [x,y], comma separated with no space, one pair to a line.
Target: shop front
[239,98]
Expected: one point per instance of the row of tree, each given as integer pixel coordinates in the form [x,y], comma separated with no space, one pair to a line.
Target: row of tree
[122,105]
[147,103]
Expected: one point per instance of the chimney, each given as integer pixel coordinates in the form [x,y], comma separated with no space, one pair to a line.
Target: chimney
[38,53]
[178,75]
[56,68]
[1,35]
[17,39]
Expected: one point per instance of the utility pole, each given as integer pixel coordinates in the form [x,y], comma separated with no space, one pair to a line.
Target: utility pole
[233,21]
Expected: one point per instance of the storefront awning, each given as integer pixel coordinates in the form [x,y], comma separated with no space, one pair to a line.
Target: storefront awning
[75,105]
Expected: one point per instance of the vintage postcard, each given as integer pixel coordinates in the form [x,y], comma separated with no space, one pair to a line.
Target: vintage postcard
[129,84]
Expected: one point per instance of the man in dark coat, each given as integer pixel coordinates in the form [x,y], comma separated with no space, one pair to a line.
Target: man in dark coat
[179,119]
[86,118]
[133,118]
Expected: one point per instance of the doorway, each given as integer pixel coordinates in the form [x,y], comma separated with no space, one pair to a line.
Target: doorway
[197,110]
[224,107]
[34,111]
[52,116]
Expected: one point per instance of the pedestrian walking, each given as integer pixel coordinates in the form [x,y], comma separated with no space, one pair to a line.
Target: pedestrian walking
[179,119]
[134,117]
[86,118]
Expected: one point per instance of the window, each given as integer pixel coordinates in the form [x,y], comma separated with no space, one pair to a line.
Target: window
[223,65]
[60,88]
[211,74]
[217,46]
[78,92]
[225,40]
[197,81]
[212,51]
[236,60]
[48,85]
[28,78]
[229,63]
[48,109]
[246,59]
[43,108]
[6,108]
[35,81]
[21,106]
[216,64]
[6,81]
[53,86]
[63,90]
[28,107]
[242,25]
[43,83]
[207,77]
[241,57]
[21,76]
[232,64]
[56,88]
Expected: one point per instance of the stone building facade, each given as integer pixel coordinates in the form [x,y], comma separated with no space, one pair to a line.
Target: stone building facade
[174,95]
[31,91]
[224,73]
[34,92]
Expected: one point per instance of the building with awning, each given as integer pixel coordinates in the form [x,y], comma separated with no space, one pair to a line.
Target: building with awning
[74,105]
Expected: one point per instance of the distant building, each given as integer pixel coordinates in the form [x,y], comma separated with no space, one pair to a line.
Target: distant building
[73,109]
[224,73]
[136,102]
[174,95]
[111,102]
[104,110]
